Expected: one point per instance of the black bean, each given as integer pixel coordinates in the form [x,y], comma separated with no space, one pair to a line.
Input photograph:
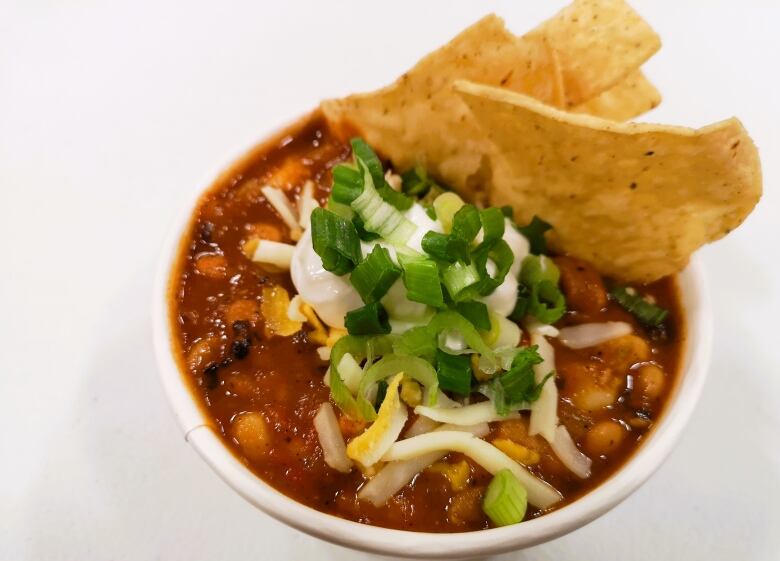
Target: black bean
[240,347]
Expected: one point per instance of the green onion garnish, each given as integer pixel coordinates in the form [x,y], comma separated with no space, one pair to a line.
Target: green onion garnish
[414,182]
[506,500]
[360,228]
[418,341]
[374,276]
[516,388]
[359,348]
[648,314]
[438,246]
[335,241]
[371,319]
[493,224]
[457,278]
[466,224]
[347,184]
[421,279]
[381,392]
[534,233]
[540,295]
[368,158]
[390,365]
[476,313]
[454,372]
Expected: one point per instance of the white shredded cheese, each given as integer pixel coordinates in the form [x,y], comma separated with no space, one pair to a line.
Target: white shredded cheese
[306,204]
[324,354]
[540,494]
[483,412]
[544,411]
[274,253]
[283,208]
[350,372]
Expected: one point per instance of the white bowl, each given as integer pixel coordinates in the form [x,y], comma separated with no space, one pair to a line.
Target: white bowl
[398,543]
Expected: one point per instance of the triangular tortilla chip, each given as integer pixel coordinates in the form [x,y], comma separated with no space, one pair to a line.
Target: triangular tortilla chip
[599,43]
[418,119]
[630,98]
[636,200]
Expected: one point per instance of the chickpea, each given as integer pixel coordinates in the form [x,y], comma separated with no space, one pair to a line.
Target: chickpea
[649,381]
[604,438]
[622,353]
[212,265]
[252,434]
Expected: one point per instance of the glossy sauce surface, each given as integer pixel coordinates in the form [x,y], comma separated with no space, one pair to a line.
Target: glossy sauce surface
[262,393]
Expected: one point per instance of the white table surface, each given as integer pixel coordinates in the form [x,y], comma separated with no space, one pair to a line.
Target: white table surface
[112,113]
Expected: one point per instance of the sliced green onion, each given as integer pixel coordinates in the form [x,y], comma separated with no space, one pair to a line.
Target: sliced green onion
[493,224]
[648,314]
[415,181]
[466,224]
[458,278]
[381,392]
[374,276]
[521,304]
[547,303]
[378,215]
[335,241]
[371,319]
[431,212]
[390,365]
[345,211]
[417,341]
[540,296]
[476,313]
[451,320]
[534,233]
[506,500]
[519,383]
[367,158]
[446,205]
[501,255]
[454,372]
[537,268]
[347,184]
[360,228]
[421,279]
[438,246]
[358,348]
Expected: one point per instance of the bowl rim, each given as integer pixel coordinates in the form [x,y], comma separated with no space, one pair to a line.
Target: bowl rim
[647,459]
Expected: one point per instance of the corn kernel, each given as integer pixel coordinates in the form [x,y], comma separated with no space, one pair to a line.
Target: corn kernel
[516,451]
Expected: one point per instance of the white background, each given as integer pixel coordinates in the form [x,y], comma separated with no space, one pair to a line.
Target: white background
[112,113]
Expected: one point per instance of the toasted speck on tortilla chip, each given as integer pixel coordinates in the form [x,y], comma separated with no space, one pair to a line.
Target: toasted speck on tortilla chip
[636,200]
[599,43]
[419,119]
[630,98]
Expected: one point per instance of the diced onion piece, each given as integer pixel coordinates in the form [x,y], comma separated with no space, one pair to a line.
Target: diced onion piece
[306,204]
[294,311]
[324,354]
[394,180]
[283,207]
[277,254]
[506,499]
[591,334]
[484,412]
[369,447]
[540,494]
[331,440]
[396,475]
[350,372]
[509,333]
[571,456]
[544,411]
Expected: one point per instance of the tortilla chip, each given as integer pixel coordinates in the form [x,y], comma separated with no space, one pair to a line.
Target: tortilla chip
[636,200]
[599,42]
[630,98]
[419,119]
